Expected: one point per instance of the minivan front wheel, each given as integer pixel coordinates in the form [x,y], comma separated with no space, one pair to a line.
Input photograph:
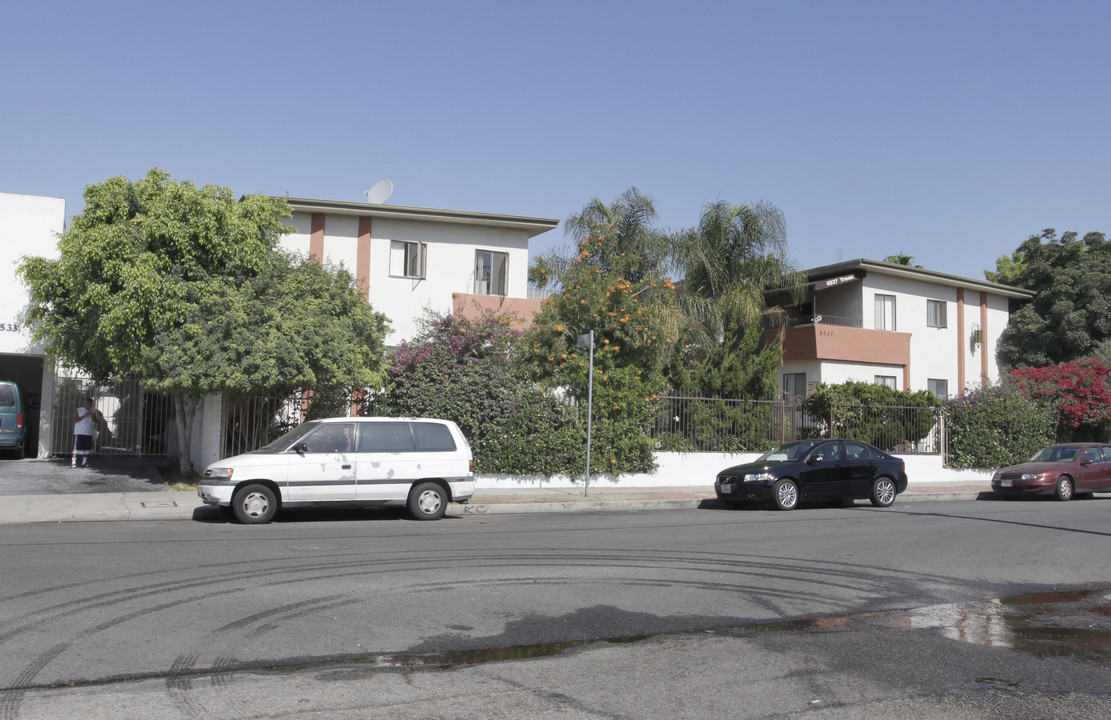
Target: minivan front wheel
[254,504]
[428,501]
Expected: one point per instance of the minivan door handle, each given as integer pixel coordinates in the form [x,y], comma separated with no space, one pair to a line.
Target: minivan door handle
[346,467]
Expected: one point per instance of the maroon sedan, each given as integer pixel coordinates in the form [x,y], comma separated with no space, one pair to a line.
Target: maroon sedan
[1062,470]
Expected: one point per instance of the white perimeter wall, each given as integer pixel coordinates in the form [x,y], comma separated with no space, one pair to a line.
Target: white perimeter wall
[700,469]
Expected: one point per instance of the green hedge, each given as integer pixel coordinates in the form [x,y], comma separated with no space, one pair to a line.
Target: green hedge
[996,426]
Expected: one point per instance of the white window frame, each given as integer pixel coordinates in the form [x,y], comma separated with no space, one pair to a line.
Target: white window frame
[937,313]
[885,312]
[794,385]
[487,278]
[933,383]
[408,259]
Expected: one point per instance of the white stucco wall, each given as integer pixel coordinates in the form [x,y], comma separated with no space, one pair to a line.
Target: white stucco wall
[29,225]
[700,469]
[449,267]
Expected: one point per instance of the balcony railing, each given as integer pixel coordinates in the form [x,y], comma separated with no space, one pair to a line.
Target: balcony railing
[826,320]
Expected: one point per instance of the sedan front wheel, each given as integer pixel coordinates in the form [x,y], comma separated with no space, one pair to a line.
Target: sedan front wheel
[1064,488]
[785,494]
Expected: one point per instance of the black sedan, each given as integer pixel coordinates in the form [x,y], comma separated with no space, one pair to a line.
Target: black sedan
[815,469]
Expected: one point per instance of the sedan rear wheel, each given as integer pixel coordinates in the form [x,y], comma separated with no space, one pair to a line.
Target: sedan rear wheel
[883,492]
[1064,488]
[785,493]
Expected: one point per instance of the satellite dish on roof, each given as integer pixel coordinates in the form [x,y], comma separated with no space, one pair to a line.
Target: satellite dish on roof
[380,193]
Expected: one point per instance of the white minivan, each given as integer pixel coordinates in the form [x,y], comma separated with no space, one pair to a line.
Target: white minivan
[419,463]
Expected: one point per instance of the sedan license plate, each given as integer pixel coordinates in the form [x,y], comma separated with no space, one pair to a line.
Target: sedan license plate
[726,489]
[1007,483]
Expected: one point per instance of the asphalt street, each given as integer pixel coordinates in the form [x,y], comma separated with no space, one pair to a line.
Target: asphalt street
[956,610]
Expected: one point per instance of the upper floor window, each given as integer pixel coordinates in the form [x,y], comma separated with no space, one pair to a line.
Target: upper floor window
[935,313]
[885,312]
[490,272]
[407,259]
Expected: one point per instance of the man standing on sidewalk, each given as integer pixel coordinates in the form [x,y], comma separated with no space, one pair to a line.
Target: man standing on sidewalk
[84,423]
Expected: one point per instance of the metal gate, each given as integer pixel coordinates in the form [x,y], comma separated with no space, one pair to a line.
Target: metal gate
[136,421]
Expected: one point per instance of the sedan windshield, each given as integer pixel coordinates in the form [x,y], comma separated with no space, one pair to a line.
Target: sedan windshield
[1056,454]
[786,452]
[288,440]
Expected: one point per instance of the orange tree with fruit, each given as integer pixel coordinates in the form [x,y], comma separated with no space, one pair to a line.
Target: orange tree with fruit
[634,321]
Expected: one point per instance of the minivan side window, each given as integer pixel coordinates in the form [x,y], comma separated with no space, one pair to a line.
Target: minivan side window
[385,437]
[433,437]
[331,437]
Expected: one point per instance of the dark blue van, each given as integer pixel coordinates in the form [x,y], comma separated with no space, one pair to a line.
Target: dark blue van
[13,420]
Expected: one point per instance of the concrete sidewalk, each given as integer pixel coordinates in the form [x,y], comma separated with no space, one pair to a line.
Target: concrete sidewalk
[163,505]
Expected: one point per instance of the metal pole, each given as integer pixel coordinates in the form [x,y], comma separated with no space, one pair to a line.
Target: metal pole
[589,412]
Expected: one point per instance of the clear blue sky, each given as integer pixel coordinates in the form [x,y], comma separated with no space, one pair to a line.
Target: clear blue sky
[947,130]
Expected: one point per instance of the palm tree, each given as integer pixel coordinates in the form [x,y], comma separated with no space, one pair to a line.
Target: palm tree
[901,259]
[627,225]
[728,261]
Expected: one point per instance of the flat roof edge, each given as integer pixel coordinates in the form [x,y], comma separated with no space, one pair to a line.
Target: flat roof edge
[887,268]
[534,225]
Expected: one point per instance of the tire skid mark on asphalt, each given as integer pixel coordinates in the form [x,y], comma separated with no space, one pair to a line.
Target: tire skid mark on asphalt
[178,685]
[270,612]
[313,571]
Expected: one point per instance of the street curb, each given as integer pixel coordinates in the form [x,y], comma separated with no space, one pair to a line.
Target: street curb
[457,510]
[117,507]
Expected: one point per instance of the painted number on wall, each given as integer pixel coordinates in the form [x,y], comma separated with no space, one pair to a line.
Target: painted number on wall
[9,327]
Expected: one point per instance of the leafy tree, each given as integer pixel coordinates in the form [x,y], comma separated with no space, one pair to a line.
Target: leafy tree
[995,426]
[1070,314]
[1008,269]
[632,322]
[462,370]
[743,366]
[185,289]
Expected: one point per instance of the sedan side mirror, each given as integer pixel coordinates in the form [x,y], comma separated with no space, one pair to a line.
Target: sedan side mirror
[301,448]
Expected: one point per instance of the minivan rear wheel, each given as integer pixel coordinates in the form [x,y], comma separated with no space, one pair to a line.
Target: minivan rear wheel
[428,501]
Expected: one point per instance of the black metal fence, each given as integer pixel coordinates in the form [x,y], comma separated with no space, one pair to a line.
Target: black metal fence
[689,424]
[251,421]
[137,422]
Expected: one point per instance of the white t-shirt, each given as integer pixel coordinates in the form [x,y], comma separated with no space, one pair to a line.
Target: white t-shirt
[84,425]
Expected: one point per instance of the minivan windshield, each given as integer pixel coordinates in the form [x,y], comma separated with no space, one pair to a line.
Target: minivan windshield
[787,451]
[290,439]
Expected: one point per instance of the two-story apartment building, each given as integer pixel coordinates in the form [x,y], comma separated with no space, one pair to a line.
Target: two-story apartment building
[407,259]
[901,326]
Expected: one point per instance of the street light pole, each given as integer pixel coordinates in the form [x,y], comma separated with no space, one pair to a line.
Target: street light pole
[580,341]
